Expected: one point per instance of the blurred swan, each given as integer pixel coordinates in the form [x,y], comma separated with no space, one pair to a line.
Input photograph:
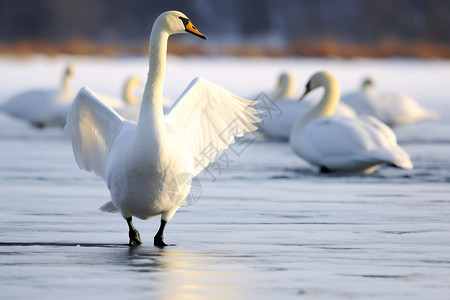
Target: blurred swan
[129,90]
[392,109]
[43,108]
[148,166]
[128,106]
[340,143]
[286,87]
[283,109]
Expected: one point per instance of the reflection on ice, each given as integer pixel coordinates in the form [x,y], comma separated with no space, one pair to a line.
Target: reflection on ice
[185,275]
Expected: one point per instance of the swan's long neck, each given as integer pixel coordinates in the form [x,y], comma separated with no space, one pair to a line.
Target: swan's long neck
[67,81]
[286,89]
[66,92]
[151,117]
[325,107]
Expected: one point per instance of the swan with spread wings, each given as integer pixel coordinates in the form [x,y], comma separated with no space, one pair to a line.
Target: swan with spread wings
[142,162]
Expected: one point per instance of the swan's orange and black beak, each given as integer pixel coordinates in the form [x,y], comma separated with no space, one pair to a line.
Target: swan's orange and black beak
[189,27]
[307,90]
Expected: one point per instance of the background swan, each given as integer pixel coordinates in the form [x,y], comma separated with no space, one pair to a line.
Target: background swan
[283,109]
[128,106]
[340,143]
[130,111]
[390,108]
[43,107]
[286,87]
[148,165]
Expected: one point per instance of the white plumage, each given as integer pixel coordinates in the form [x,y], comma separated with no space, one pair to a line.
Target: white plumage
[340,143]
[128,106]
[142,162]
[391,108]
[43,108]
[283,109]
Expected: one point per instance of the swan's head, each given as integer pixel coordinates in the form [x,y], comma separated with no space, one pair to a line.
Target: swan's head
[69,70]
[367,83]
[177,22]
[130,85]
[323,78]
[133,81]
[286,85]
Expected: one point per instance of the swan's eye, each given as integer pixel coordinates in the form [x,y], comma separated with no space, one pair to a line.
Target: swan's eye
[185,21]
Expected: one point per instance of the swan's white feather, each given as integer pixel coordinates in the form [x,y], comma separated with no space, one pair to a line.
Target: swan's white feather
[285,112]
[210,117]
[392,109]
[109,207]
[93,128]
[352,143]
[43,107]
[344,143]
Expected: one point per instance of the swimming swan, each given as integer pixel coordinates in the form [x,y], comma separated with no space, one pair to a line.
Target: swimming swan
[283,109]
[43,108]
[345,144]
[148,165]
[391,108]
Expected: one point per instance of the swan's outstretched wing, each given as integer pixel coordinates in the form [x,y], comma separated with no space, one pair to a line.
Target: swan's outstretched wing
[93,128]
[210,117]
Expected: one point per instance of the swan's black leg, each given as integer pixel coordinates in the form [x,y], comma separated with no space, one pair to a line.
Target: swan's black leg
[158,240]
[135,238]
[324,170]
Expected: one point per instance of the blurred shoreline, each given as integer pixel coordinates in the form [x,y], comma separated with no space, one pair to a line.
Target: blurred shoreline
[326,47]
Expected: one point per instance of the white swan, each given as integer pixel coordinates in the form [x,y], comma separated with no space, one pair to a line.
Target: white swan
[129,111]
[129,90]
[148,165]
[43,108]
[393,109]
[286,87]
[344,144]
[128,106]
[283,109]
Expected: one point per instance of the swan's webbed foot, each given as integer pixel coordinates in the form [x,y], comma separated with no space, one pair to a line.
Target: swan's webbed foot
[159,237]
[135,238]
[324,170]
[158,242]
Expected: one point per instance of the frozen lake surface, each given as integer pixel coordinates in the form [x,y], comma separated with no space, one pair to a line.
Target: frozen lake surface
[267,226]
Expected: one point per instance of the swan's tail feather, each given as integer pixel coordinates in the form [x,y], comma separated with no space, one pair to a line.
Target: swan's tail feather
[109,207]
[395,157]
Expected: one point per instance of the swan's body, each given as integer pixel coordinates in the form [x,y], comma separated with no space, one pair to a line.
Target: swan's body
[148,165]
[43,108]
[340,143]
[283,109]
[392,109]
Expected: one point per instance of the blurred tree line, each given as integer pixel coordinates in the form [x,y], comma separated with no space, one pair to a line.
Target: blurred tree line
[279,27]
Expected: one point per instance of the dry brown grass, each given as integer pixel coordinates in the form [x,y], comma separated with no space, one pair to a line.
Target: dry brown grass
[321,48]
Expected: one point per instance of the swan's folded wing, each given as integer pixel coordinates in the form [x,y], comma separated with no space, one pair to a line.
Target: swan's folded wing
[93,128]
[338,136]
[381,128]
[210,117]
